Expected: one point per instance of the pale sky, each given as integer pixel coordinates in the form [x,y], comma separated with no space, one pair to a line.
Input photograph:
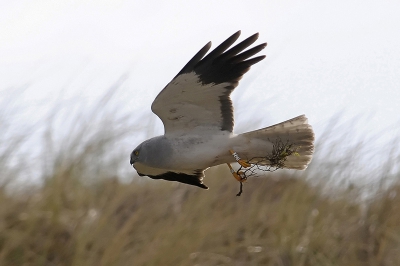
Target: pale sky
[323,57]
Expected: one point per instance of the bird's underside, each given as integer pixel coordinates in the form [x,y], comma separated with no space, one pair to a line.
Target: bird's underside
[197,113]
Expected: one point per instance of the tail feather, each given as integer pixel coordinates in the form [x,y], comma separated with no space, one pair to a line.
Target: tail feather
[295,132]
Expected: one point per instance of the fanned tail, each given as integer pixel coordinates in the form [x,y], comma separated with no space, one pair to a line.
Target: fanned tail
[290,143]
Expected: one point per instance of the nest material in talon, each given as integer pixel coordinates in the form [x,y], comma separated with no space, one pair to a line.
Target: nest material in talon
[269,163]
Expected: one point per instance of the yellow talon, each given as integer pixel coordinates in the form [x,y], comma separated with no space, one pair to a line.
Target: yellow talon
[244,163]
[240,161]
[238,176]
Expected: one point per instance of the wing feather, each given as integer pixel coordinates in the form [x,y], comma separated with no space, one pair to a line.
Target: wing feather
[190,65]
[195,179]
[198,98]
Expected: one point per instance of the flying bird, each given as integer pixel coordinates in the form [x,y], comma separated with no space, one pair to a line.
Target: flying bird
[197,113]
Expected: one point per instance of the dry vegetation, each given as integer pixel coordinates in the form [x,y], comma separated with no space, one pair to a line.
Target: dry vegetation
[83,214]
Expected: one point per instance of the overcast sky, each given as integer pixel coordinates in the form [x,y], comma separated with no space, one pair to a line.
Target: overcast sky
[323,57]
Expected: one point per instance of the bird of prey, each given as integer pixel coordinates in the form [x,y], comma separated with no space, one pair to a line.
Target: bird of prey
[197,113]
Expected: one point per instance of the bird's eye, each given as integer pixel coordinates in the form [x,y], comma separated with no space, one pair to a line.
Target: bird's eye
[136,153]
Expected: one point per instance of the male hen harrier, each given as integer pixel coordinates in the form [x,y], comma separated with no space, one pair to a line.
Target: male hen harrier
[197,113]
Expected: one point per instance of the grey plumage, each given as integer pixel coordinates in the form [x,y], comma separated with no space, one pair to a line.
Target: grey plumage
[197,113]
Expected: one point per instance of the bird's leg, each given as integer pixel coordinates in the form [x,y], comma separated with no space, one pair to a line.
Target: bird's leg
[240,161]
[239,176]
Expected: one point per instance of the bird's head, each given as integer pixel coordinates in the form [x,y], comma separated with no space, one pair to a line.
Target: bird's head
[150,154]
[136,155]
[138,159]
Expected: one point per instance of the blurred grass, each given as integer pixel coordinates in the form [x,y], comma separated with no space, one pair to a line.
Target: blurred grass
[83,214]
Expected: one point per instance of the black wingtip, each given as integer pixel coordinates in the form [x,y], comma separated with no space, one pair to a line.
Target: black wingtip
[208,45]
[203,186]
[237,34]
[195,180]
[195,59]
[255,35]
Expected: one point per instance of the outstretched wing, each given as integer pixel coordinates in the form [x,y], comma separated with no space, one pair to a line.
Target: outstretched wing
[194,179]
[198,98]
